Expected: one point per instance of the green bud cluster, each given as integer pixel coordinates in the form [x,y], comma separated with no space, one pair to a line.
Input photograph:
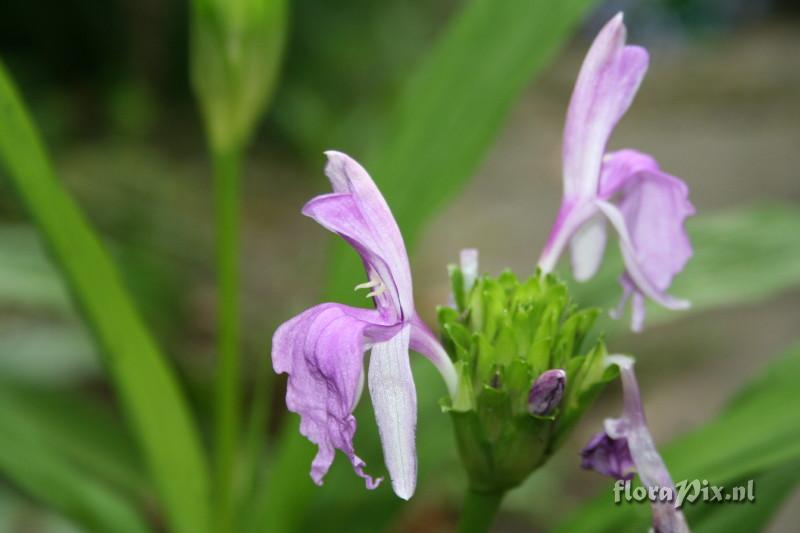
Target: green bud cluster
[502,334]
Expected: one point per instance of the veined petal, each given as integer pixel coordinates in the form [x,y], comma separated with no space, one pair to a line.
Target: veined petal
[394,399]
[339,213]
[634,268]
[655,206]
[424,342]
[379,232]
[322,351]
[632,427]
[607,83]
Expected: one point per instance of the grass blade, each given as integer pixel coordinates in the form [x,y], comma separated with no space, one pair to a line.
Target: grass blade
[152,401]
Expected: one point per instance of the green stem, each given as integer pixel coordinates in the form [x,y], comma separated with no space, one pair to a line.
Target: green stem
[226,197]
[480,509]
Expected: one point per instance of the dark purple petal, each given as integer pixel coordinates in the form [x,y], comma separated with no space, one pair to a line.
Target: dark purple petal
[546,393]
[609,457]
[632,427]
[322,351]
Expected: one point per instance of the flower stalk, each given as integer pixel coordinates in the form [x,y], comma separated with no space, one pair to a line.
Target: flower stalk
[480,510]
[228,386]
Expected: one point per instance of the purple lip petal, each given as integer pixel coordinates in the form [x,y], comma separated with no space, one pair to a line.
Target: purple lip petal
[322,350]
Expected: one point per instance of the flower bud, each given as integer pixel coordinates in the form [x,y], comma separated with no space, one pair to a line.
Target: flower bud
[546,392]
[235,53]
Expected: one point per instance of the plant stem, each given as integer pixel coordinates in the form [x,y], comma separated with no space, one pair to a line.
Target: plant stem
[226,197]
[480,509]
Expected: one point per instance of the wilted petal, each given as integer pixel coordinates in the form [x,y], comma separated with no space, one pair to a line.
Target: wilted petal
[632,427]
[322,351]
[609,457]
[394,399]
[605,88]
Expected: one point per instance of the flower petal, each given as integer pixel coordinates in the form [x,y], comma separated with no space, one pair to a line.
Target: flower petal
[424,342]
[607,83]
[394,399]
[322,351]
[634,268]
[655,206]
[379,232]
[587,247]
[632,427]
[339,213]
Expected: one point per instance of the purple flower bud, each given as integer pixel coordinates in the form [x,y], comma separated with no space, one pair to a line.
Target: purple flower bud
[607,456]
[546,392]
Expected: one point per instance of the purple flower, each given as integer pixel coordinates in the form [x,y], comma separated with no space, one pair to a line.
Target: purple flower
[546,393]
[626,444]
[646,206]
[322,349]
[607,456]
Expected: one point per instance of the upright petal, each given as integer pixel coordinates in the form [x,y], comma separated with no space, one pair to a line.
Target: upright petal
[394,399]
[339,213]
[606,86]
[379,232]
[632,427]
[322,351]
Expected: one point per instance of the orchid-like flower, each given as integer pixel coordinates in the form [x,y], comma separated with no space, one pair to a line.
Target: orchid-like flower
[646,206]
[322,349]
[626,446]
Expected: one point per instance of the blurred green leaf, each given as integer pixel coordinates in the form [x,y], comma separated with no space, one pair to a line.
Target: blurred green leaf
[29,461]
[742,255]
[149,393]
[758,432]
[72,427]
[772,488]
[443,124]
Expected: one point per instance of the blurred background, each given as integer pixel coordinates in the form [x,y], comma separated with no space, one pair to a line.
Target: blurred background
[108,86]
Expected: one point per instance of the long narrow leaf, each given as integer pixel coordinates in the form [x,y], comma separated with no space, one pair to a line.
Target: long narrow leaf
[30,463]
[145,383]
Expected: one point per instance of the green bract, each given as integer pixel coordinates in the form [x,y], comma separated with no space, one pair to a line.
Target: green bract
[503,334]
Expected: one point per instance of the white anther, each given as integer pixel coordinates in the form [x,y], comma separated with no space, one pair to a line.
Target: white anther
[368,284]
[378,291]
